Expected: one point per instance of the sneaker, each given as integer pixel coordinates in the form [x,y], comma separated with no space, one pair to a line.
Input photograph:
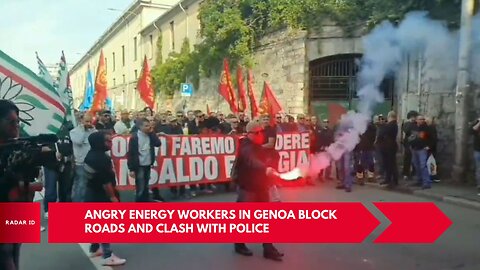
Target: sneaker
[359,175]
[97,253]
[113,261]
[45,215]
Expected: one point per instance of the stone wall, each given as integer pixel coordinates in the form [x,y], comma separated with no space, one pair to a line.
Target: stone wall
[280,60]
[434,96]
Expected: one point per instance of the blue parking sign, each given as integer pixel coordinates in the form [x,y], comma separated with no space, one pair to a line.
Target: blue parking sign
[186,89]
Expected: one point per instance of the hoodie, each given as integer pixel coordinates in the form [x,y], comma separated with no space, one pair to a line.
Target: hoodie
[98,169]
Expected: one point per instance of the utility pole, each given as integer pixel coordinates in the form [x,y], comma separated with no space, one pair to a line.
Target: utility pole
[463,91]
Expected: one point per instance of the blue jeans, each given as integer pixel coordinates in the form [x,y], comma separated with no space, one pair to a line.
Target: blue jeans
[476,155]
[142,177]
[79,184]
[419,159]
[51,178]
[106,248]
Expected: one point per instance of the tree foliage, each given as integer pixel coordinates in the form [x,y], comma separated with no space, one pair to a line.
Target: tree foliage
[233,28]
[178,68]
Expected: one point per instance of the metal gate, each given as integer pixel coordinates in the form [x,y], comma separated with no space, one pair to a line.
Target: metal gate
[333,82]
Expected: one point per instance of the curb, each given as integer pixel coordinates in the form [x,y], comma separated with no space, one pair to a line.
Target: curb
[432,196]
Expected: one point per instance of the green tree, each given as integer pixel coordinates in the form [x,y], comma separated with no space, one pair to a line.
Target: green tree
[176,69]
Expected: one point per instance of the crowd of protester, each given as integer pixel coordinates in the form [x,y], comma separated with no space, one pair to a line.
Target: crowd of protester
[92,177]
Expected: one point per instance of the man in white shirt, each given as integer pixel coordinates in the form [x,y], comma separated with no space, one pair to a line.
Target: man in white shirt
[125,125]
[81,146]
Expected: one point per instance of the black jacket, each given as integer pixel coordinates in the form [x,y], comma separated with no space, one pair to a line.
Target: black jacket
[367,139]
[324,139]
[476,137]
[133,154]
[420,137]
[251,166]
[98,169]
[387,136]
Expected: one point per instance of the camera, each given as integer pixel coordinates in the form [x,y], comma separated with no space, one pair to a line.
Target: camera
[21,158]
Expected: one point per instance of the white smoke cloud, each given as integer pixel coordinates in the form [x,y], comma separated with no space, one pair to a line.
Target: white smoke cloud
[384,54]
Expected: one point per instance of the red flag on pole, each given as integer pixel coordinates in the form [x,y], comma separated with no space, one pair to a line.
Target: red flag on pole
[242,97]
[144,85]
[226,89]
[270,104]
[251,95]
[100,86]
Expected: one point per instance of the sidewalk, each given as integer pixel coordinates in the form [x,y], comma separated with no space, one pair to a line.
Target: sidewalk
[465,196]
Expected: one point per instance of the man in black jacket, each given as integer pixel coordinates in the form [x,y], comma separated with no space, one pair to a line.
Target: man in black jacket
[475,132]
[364,153]
[141,157]
[420,142]
[387,142]
[254,179]
[407,152]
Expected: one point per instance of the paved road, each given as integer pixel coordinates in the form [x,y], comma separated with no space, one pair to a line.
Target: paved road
[458,248]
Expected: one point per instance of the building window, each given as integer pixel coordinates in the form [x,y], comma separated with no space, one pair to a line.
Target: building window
[136,74]
[172,35]
[135,49]
[123,55]
[151,46]
[114,82]
[123,76]
[113,61]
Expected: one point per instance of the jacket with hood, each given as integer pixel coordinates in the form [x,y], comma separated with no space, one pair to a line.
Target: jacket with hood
[98,169]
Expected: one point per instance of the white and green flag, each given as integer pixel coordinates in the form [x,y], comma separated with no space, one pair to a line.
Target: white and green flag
[44,74]
[65,89]
[41,109]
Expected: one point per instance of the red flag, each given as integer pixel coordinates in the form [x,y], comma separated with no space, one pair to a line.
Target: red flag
[100,86]
[269,104]
[242,97]
[145,87]
[251,95]
[226,89]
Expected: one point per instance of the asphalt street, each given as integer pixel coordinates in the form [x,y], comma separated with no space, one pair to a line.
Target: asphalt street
[458,248]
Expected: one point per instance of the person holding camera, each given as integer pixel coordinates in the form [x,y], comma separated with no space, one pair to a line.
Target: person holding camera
[18,169]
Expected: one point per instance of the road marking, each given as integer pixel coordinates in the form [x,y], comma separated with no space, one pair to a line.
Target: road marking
[97,261]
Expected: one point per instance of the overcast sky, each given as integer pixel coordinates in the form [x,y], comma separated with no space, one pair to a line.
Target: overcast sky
[50,26]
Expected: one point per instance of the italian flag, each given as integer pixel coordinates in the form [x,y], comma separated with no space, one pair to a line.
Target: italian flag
[41,109]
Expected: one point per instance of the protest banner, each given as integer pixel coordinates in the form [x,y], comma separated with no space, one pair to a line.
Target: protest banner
[187,160]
